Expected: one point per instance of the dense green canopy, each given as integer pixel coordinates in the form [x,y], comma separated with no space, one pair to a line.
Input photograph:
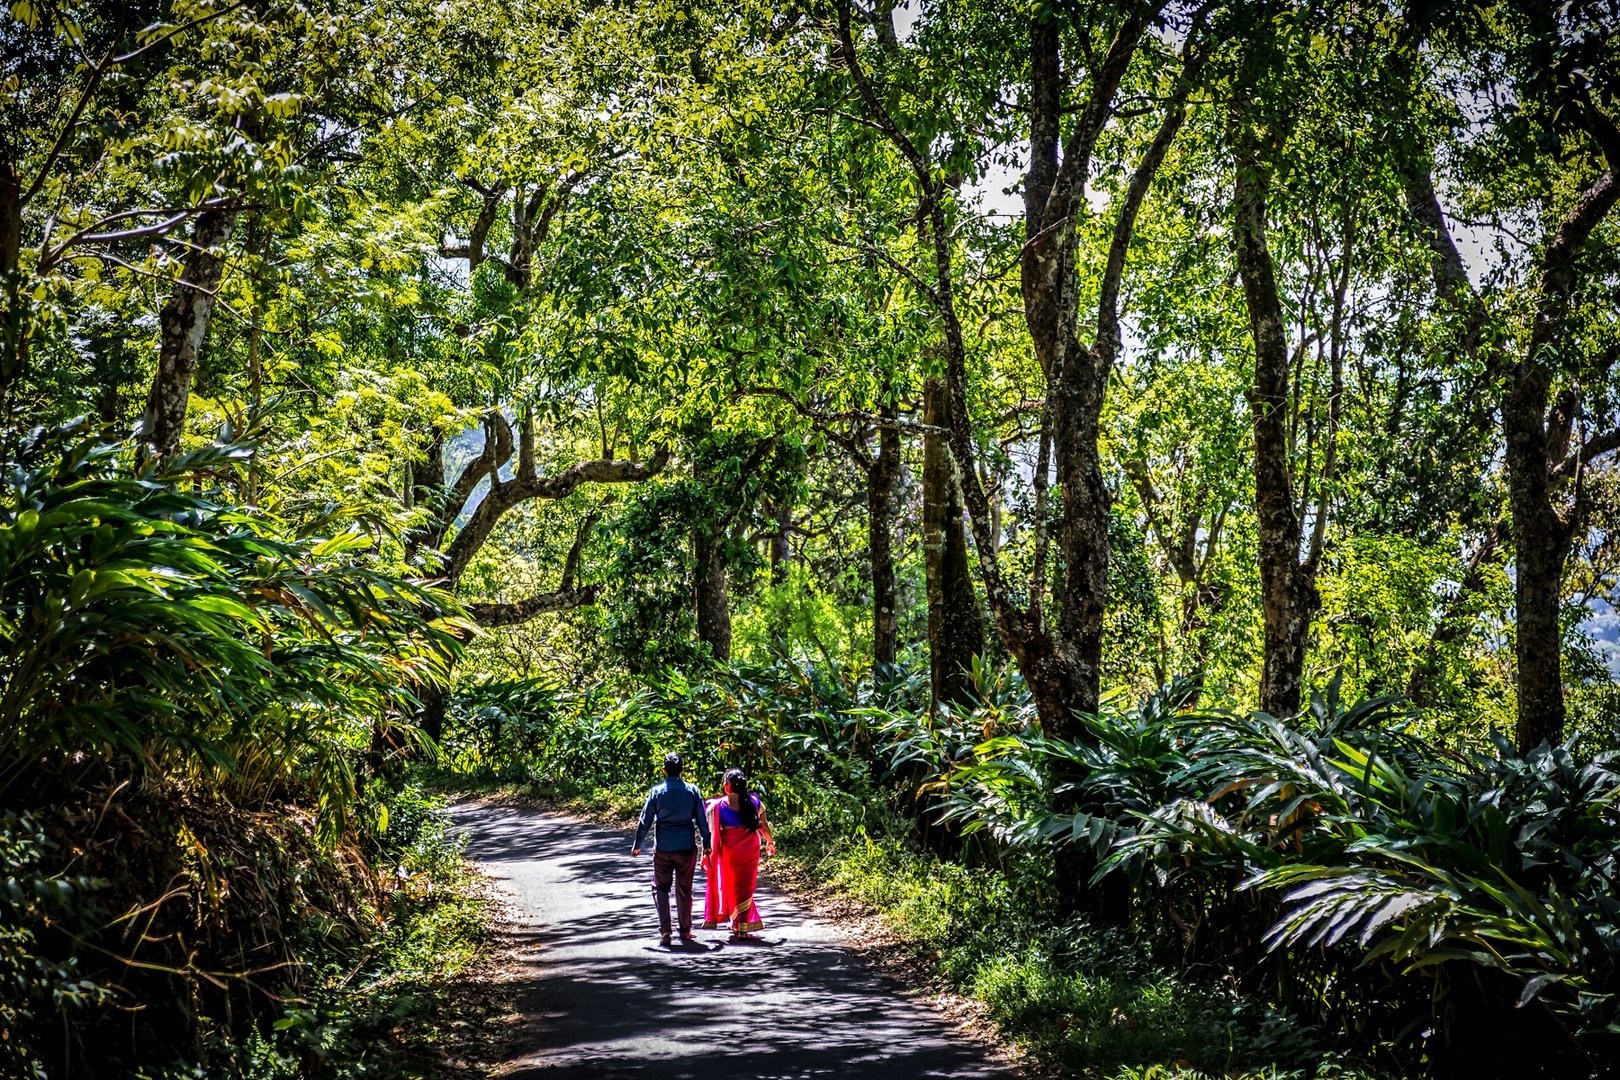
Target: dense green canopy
[1322,382]
[1245,347]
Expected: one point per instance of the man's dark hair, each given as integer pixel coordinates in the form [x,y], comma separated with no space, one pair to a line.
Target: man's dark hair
[672,764]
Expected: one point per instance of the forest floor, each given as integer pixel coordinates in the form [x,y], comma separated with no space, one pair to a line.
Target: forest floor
[586,989]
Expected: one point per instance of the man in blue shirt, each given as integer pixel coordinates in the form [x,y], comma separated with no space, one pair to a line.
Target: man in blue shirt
[675,808]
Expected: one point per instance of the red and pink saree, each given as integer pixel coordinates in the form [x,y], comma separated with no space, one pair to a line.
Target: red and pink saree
[733,873]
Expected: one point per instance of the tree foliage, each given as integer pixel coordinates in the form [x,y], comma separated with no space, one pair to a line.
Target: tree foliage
[1243,348]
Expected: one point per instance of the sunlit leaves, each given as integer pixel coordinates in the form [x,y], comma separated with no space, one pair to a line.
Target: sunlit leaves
[145,623]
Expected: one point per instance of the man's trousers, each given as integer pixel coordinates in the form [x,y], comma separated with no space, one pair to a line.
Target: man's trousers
[674,867]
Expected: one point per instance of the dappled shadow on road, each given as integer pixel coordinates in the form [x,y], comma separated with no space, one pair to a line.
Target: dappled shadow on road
[603,1000]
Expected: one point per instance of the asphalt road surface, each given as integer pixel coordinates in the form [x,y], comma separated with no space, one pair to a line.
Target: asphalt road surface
[603,1000]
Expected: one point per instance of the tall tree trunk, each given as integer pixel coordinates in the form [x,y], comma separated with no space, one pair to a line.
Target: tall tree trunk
[435,706]
[183,327]
[16,321]
[10,217]
[955,629]
[1540,548]
[1076,416]
[1537,439]
[1537,432]
[1288,595]
[712,600]
[1061,669]
[1064,669]
[1201,602]
[782,516]
[881,479]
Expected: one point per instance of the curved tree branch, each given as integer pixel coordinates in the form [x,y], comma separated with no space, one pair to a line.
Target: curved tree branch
[520,489]
[566,597]
[521,611]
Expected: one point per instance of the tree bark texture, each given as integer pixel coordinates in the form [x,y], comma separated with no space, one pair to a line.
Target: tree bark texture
[10,217]
[1543,457]
[1540,547]
[505,494]
[710,594]
[1537,437]
[782,517]
[955,628]
[881,479]
[15,330]
[1288,596]
[435,707]
[183,327]
[1064,669]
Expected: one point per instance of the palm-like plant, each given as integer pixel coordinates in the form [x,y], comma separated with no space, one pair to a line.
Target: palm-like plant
[1352,841]
[1512,865]
[142,616]
[1030,789]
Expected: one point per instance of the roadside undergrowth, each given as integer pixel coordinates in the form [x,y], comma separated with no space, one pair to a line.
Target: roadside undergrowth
[1065,998]
[1075,999]
[157,931]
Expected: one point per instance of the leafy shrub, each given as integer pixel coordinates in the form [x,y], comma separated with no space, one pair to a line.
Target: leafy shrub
[1358,856]
[938,904]
[191,696]
[36,983]
[140,615]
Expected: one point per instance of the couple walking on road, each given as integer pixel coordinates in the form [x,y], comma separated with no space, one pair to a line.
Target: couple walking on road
[731,828]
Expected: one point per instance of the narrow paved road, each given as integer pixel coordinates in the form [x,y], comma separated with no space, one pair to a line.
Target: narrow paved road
[603,1000]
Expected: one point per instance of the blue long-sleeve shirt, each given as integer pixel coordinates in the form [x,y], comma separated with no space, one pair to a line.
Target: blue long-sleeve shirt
[675,807]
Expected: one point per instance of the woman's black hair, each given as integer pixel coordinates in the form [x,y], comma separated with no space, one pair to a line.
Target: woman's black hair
[737,782]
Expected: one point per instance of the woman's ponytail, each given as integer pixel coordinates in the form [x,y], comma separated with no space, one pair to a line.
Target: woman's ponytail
[737,783]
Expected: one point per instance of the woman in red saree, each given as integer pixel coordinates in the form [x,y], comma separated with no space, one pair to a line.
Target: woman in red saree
[736,824]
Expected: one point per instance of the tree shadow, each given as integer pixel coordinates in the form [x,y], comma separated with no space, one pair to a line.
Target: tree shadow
[603,1002]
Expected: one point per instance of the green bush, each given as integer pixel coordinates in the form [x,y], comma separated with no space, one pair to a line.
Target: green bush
[38,983]
[193,699]
[1368,864]
[142,616]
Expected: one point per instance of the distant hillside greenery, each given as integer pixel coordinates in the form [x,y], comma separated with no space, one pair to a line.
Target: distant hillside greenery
[1134,481]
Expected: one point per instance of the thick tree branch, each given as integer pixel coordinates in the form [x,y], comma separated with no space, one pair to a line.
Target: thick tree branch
[90,235]
[1450,276]
[880,115]
[1108,334]
[523,488]
[542,227]
[922,287]
[521,611]
[566,596]
[561,485]
[1585,453]
[137,53]
[1075,167]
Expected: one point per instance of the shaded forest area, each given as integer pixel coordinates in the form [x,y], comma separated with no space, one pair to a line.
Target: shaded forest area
[1133,481]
